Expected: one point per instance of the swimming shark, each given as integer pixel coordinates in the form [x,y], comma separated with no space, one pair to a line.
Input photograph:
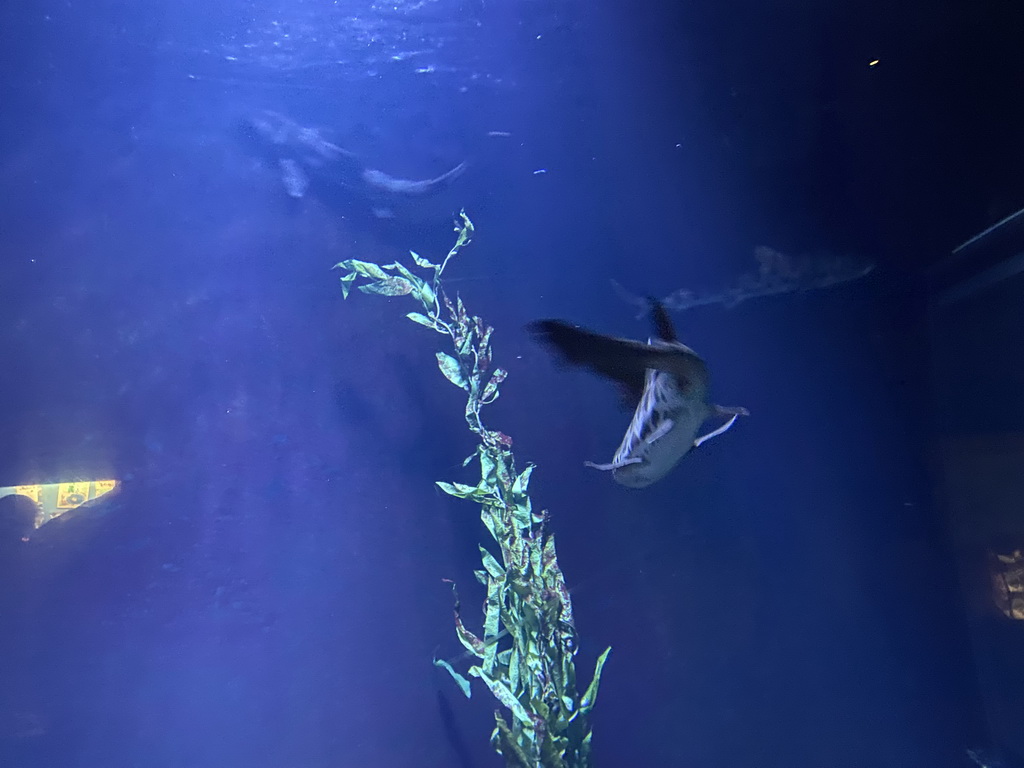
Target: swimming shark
[777,273]
[666,379]
[305,160]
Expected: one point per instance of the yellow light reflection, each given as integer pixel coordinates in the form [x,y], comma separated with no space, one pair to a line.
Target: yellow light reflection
[1007,572]
[54,499]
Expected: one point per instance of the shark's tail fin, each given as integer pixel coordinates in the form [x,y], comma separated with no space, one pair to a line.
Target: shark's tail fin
[381,181]
[450,176]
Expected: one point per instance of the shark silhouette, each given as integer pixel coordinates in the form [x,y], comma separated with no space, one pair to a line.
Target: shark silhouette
[667,380]
[777,273]
[306,160]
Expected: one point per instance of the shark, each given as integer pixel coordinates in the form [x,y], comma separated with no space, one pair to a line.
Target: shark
[307,160]
[777,273]
[666,380]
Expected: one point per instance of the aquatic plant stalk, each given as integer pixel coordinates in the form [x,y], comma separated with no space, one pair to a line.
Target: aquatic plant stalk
[525,654]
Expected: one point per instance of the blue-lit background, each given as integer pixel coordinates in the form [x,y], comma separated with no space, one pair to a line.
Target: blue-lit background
[265,589]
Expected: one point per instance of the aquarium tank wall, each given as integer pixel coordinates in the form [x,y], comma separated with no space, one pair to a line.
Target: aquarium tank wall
[443,384]
[975,304]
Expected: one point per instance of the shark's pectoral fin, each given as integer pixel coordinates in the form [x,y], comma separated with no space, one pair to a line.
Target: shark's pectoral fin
[733,413]
[730,410]
[714,432]
[612,465]
[622,360]
[295,180]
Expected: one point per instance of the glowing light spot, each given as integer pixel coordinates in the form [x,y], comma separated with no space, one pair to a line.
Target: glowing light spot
[54,499]
[873,63]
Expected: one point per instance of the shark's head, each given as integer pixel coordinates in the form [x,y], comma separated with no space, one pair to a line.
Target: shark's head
[265,129]
[279,135]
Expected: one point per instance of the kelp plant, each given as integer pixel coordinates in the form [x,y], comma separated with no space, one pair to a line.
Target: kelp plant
[525,654]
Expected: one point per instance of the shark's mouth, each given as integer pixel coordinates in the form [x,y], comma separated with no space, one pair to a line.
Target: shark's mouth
[649,424]
[663,430]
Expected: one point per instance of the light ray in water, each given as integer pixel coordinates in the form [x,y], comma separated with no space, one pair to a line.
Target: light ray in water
[981,235]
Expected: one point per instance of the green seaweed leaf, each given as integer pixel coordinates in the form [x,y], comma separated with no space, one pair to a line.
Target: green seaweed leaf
[471,492]
[389,286]
[362,268]
[590,697]
[346,284]
[420,288]
[504,741]
[491,565]
[506,697]
[452,370]
[421,262]
[462,681]
[520,485]
[416,317]
[488,469]
[490,393]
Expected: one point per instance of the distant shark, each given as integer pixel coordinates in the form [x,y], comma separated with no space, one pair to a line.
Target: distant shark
[777,273]
[667,380]
[306,160]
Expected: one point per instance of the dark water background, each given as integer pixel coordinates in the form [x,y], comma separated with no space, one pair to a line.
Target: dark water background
[265,589]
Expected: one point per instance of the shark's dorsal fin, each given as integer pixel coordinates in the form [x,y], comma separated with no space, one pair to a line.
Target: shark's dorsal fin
[662,322]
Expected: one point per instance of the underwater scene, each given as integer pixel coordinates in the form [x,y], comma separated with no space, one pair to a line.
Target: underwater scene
[525,383]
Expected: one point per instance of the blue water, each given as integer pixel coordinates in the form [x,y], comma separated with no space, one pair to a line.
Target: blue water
[264,589]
